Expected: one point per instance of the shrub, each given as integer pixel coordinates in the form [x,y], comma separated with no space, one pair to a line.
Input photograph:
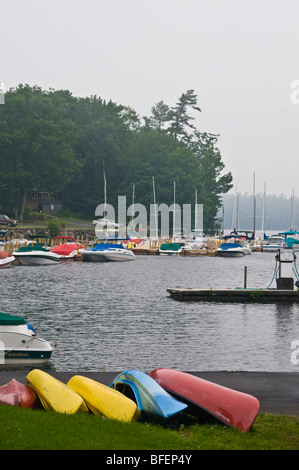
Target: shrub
[54,227]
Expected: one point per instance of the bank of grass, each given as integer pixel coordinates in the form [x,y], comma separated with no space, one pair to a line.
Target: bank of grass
[40,430]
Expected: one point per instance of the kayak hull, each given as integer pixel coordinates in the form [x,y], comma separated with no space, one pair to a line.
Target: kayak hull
[152,400]
[233,408]
[55,395]
[15,393]
[103,400]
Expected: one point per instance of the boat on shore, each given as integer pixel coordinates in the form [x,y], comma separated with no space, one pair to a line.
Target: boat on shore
[14,393]
[19,343]
[35,256]
[105,252]
[233,408]
[55,395]
[103,400]
[152,400]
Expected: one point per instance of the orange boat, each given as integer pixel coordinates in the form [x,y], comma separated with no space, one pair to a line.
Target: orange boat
[17,394]
[233,408]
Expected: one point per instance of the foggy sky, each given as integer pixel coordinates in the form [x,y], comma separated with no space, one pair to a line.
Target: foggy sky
[240,57]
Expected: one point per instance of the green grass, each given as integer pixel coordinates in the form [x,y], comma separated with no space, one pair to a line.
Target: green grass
[22,429]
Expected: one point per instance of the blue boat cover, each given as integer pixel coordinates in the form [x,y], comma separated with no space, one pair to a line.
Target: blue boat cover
[106,246]
[227,246]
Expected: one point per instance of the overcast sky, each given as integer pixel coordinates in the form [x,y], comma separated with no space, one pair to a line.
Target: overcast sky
[241,58]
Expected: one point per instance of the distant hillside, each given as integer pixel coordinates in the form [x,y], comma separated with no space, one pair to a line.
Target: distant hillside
[281,212]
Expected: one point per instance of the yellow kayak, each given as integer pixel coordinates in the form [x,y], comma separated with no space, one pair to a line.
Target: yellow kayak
[55,395]
[103,400]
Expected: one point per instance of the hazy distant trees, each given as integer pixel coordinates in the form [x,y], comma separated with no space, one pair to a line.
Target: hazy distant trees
[273,213]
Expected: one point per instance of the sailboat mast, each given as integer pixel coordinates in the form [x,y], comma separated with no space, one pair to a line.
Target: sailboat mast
[105,190]
[195,216]
[264,209]
[254,204]
[154,192]
[173,228]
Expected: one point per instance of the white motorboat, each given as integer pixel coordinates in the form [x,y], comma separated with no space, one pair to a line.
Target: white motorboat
[105,223]
[230,250]
[6,259]
[107,252]
[19,344]
[197,240]
[36,256]
[274,243]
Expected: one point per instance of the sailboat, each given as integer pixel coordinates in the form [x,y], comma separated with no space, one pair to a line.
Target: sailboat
[197,240]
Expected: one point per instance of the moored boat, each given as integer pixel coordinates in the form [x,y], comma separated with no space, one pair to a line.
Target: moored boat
[35,256]
[6,259]
[55,395]
[15,393]
[273,243]
[152,400]
[106,252]
[230,250]
[103,400]
[197,240]
[170,249]
[233,408]
[68,249]
[19,344]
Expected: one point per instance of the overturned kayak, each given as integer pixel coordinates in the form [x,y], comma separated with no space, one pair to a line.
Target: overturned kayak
[55,395]
[17,394]
[152,400]
[103,400]
[233,408]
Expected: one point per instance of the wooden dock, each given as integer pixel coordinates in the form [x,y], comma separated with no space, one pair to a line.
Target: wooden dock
[240,295]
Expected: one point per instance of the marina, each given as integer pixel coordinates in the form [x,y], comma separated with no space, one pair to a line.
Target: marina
[115,316]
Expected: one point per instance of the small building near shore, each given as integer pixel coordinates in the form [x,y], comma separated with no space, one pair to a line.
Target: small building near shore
[45,201]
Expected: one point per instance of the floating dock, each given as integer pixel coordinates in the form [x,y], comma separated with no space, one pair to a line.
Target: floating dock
[240,295]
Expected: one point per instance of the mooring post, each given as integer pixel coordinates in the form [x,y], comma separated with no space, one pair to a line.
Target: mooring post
[245,277]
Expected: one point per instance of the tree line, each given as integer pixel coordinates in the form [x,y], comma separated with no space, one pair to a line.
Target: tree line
[53,141]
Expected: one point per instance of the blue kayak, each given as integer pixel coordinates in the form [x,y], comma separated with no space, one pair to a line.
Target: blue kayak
[152,400]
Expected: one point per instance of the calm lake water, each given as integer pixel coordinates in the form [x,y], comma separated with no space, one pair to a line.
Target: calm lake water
[116,316]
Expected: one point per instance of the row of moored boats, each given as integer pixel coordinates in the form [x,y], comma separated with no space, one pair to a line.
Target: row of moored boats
[235,245]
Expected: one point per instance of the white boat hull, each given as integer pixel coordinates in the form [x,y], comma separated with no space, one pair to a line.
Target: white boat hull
[19,347]
[230,253]
[169,252]
[108,255]
[6,262]
[272,248]
[36,258]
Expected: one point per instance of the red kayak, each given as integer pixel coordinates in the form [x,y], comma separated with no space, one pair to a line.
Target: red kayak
[233,408]
[16,394]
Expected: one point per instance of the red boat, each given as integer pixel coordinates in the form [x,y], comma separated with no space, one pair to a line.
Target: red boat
[68,249]
[233,408]
[16,394]
[6,259]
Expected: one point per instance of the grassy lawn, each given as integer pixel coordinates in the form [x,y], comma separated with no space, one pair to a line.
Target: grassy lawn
[40,430]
